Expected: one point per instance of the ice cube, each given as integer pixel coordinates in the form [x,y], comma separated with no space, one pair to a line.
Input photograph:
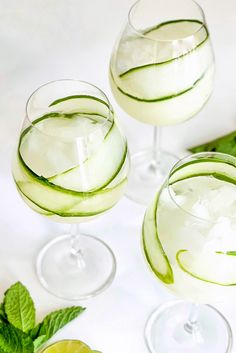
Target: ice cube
[201,209]
[221,236]
[172,199]
[222,200]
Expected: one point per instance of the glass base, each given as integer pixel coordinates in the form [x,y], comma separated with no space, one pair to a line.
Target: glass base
[166,330]
[146,176]
[79,274]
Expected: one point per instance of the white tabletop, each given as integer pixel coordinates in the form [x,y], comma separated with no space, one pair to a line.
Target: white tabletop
[42,41]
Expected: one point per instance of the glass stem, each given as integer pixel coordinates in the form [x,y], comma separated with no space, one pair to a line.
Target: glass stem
[191,326]
[75,249]
[156,149]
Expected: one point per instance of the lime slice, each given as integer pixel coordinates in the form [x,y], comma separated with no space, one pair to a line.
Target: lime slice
[68,346]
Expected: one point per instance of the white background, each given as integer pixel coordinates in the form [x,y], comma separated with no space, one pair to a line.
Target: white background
[43,40]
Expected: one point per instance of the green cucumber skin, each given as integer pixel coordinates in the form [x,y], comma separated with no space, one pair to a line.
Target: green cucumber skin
[169,277]
[216,175]
[77,196]
[174,21]
[168,61]
[196,276]
[201,160]
[60,100]
[161,99]
[65,214]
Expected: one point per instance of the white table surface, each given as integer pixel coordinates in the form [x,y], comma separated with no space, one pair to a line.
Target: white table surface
[45,40]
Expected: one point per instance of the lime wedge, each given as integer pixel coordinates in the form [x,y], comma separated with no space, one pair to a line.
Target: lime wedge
[68,346]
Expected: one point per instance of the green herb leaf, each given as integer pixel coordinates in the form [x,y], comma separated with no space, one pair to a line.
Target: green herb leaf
[19,307]
[2,313]
[225,144]
[12,340]
[54,322]
[39,341]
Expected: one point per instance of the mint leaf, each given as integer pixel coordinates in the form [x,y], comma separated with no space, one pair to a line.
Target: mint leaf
[12,340]
[225,144]
[54,322]
[39,341]
[19,307]
[2,313]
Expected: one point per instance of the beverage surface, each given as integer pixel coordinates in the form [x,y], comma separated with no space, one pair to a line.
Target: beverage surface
[163,75]
[72,165]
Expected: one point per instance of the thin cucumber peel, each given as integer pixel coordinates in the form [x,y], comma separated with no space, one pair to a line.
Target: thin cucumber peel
[170,60]
[216,168]
[63,99]
[151,242]
[159,99]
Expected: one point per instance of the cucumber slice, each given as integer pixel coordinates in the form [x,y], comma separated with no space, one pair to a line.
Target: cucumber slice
[91,205]
[179,30]
[215,267]
[82,104]
[173,110]
[98,202]
[84,177]
[155,83]
[65,203]
[154,252]
[166,79]
[33,206]
[205,167]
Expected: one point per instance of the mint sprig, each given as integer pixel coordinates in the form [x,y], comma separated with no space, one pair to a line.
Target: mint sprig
[18,333]
[225,144]
[52,323]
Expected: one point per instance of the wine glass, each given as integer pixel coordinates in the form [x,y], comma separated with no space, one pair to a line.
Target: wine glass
[71,166]
[189,242]
[161,73]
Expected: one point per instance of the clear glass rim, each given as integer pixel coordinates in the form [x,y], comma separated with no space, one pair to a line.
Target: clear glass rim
[109,106]
[222,156]
[141,34]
